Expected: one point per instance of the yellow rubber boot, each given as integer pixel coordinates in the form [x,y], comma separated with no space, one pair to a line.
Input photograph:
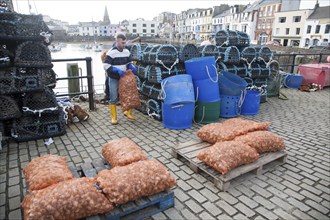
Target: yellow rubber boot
[129,115]
[113,112]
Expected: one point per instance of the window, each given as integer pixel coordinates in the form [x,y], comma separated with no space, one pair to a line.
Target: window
[152,31]
[327,29]
[281,19]
[307,42]
[277,31]
[309,28]
[317,29]
[287,31]
[134,25]
[144,25]
[297,31]
[152,25]
[144,31]
[296,18]
[134,30]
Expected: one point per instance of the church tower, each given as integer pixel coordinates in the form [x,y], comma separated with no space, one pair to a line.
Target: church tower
[106,18]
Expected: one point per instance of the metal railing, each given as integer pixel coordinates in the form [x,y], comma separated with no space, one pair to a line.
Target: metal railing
[294,55]
[89,77]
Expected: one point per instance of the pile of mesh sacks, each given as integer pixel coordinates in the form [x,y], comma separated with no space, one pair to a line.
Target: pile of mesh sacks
[54,193]
[236,142]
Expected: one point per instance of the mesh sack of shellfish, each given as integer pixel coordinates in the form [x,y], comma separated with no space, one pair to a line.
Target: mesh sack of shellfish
[123,151]
[130,182]
[71,199]
[229,129]
[46,170]
[128,91]
[262,141]
[227,155]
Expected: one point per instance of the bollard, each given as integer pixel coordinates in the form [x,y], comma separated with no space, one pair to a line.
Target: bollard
[73,84]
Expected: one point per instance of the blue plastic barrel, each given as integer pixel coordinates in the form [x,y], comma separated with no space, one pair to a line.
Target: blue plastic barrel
[293,81]
[231,84]
[201,67]
[178,116]
[207,90]
[251,103]
[177,89]
[229,106]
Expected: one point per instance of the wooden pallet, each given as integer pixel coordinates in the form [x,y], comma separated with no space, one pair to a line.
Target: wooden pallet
[139,209]
[191,149]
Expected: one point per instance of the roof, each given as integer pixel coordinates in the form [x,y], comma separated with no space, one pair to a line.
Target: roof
[223,14]
[320,12]
[269,2]
[253,6]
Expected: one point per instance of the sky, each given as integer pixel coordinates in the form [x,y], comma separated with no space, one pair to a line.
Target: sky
[73,11]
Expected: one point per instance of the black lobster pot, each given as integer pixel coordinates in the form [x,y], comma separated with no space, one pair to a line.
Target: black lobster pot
[8,82]
[9,108]
[33,127]
[248,54]
[187,52]
[6,57]
[145,54]
[254,71]
[137,51]
[227,37]
[165,54]
[208,51]
[229,54]
[241,70]
[154,109]
[243,39]
[156,73]
[22,27]
[44,102]
[264,53]
[33,54]
[264,71]
[151,90]
[142,70]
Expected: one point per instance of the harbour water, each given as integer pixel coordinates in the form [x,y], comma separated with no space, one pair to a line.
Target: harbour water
[72,51]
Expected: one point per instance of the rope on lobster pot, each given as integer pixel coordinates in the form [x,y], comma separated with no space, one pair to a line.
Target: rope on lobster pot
[26,109]
[168,68]
[46,35]
[267,63]
[249,64]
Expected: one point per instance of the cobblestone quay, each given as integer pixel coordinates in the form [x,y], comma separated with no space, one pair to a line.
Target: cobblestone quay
[298,189]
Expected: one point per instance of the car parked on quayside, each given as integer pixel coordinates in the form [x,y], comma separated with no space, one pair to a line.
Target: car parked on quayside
[321,46]
[273,43]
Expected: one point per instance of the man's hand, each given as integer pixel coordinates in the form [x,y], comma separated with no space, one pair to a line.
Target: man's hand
[132,67]
[103,56]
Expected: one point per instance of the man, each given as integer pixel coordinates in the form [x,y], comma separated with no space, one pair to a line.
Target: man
[103,55]
[116,62]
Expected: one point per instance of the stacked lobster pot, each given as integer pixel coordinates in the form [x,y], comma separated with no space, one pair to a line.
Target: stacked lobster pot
[154,63]
[254,62]
[28,107]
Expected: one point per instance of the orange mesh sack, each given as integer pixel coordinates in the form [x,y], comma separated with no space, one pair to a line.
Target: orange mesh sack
[225,156]
[121,152]
[128,183]
[128,92]
[262,141]
[46,170]
[229,129]
[71,199]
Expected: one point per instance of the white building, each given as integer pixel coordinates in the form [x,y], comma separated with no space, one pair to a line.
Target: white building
[288,27]
[317,27]
[142,27]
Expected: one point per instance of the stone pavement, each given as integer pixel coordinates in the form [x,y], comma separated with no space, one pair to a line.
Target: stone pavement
[299,189]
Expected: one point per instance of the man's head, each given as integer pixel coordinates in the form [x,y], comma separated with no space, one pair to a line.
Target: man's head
[121,41]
